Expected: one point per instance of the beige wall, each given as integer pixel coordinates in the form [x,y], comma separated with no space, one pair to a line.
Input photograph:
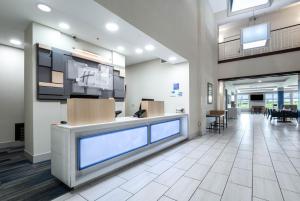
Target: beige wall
[155,80]
[11,91]
[278,19]
[262,65]
[188,28]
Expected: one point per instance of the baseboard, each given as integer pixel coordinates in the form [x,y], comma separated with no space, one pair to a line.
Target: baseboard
[11,144]
[37,158]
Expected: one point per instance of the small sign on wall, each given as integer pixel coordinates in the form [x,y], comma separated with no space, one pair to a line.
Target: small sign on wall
[175,92]
[209,93]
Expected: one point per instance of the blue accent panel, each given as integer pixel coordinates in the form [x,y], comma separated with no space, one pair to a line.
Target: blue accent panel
[105,146]
[280,99]
[164,130]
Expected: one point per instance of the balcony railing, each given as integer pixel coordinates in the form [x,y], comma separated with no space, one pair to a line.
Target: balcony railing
[282,40]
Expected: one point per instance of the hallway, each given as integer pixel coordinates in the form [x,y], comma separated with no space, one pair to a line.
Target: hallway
[251,160]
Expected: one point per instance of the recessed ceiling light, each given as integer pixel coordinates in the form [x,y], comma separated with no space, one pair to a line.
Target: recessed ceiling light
[172,59]
[64,25]
[120,48]
[139,51]
[15,42]
[44,7]
[113,27]
[259,81]
[149,47]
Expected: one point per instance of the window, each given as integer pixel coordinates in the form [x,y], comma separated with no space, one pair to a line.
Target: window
[243,101]
[271,100]
[255,36]
[287,98]
[295,98]
[240,6]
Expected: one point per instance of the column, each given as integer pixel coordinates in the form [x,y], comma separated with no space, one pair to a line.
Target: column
[280,92]
[221,96]
[298,97]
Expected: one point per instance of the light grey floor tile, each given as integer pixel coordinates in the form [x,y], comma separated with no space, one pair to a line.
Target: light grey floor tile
[196,154]
[293,154]
[296,162]
[186,149]
[262,160]
[160,167]
[175,157]
[290,196]
[133,171]
[185,163]
[138,182]
[197,171]
[266,189]
[264,172]
[165,198]
[279,157]
[241,176]
[228,157]
[231,150]
[246,147]
[234,192]
[243,163]
[214,183]
[289,182]
[183,189]
[222,167]
[75,198]
[244,154]
[207,160]
[258,199]
[169,177]
[200,195]
[154,160]
[97,190]
[151,192]
[284,167]
[116,195]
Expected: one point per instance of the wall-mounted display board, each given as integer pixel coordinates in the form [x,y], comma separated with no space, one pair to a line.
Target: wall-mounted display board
[209,93]
[61,75]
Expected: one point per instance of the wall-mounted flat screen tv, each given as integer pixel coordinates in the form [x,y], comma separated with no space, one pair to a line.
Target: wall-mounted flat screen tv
[256,97]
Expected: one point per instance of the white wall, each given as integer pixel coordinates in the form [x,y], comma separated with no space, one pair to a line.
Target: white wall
[155,80]
[188,28]
[11,91]
[41,114]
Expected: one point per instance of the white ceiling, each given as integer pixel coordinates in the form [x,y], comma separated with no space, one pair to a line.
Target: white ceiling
[266,84]
[87,20]
[219,7]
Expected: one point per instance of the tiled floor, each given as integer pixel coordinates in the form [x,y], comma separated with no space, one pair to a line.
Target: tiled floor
[251,160]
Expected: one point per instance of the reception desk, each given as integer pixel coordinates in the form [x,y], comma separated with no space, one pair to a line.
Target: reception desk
[82,153]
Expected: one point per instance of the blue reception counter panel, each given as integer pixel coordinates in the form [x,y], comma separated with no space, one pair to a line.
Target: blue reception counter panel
[82,153]
[164,130]
[102,147]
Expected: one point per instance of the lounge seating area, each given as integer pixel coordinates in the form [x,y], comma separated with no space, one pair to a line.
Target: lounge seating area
[288,113]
